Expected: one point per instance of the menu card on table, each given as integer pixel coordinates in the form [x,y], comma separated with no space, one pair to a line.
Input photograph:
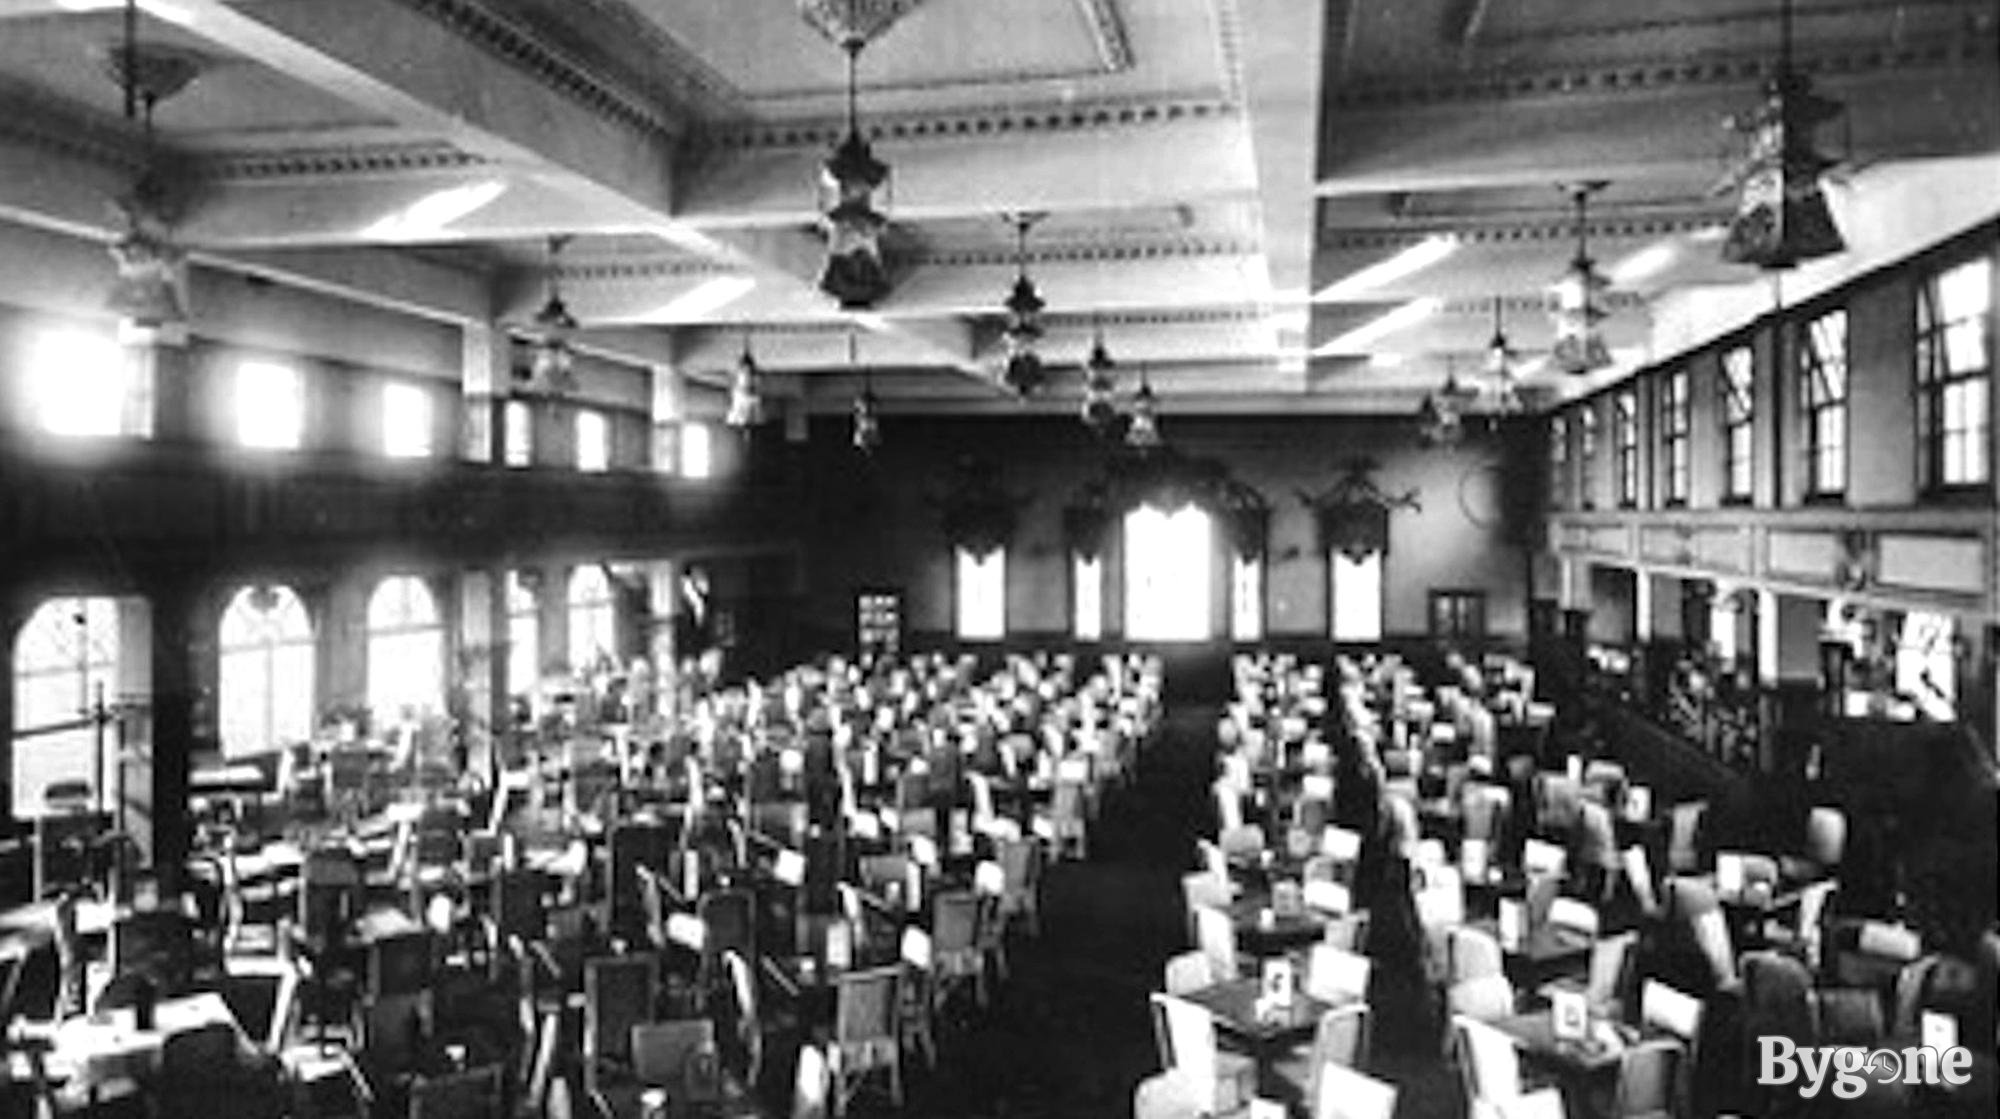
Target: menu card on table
[1513,924]
[1569,1013]
[1280,980]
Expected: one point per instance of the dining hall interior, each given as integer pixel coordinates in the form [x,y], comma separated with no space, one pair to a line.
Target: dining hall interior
[1267,559]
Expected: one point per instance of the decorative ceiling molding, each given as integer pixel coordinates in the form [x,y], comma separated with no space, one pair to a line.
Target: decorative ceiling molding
[1030,121]
[57,129]
[626,271]
[1481,307]
[1165,316]
[508,39]
[1084,253]
[842,21]
[1107,31]
[1762,15]
[1229,46]
[1645,77]
[334,162]
[1477,231]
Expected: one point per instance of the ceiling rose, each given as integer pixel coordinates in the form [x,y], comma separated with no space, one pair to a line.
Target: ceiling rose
[851,22]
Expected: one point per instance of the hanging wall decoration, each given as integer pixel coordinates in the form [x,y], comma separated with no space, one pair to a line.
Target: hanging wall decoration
[1353,514]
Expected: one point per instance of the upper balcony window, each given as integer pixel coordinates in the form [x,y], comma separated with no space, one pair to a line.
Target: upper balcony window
[593,441]
[1739,412]
[1675,419]
[1955,376]
[1822,354]
[83,384]
[270,406]
[406,421]
[1625,438]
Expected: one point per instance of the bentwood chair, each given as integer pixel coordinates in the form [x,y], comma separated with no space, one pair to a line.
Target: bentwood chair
[865,1036]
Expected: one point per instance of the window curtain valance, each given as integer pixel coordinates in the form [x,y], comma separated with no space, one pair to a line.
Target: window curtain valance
[1353,515]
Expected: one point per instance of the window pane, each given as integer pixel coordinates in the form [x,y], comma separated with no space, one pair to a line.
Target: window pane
[593,615]
[982,595]
[65,659]
[405,650]
[593,442]
[79,385]
[518,433]
[406,421]
[1357,597]
[270,406]
[1167,570]
[524,632]
[1086,598]
[1246,599]
[266,684]
[697,451]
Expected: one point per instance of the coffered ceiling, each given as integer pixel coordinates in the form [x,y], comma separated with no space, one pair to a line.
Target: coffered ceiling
[1217,174]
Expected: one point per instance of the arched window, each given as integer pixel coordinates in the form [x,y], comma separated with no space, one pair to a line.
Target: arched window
[593,618]
[65,662]
[405,649]
[1167,565]
[524,636]
[266,683]
[66,653]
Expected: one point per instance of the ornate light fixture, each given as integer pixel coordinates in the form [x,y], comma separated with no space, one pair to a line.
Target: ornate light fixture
[147,294]
[1100,408]
[1023,371]
[552,365]
[1441,415]
[1782,216]
[855,273]
[1579,317]
[1143,433]
[867,425]
[746,391]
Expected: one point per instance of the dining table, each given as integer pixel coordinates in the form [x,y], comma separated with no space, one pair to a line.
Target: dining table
[1238,1010]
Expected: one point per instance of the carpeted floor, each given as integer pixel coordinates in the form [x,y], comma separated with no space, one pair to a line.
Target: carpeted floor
[1070,1036]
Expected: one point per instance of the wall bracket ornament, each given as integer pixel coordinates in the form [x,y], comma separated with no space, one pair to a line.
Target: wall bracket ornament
[1165,479]
[1353,514]
[976,513]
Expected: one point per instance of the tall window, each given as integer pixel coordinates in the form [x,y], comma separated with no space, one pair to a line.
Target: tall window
[517,433]
[1823,390]
[1625,446]
[1558,459]
[65,660]
[1246,598]
[266,684]
[1167,565]
[1739,411]
[405,650]
[1675,417]
[81,384]
[982,595]
[524,635]
[270,406]
[593,618]
[1955,375]
[697,450]
[1356,595]
[406,421]
[1586,449]
[593,441]
[1087,597]
[1926,664]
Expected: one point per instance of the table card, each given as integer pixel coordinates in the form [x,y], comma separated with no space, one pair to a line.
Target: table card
[1939,1031]
[1316,786]
[1328,897]
[839,946]
[916,948]
[1261,1108]
[1472,859]
[1638,803]
[1569,1013]
[1728,875]
[1340,844]
[789,868]
[1280,981]
[1513,924]
[1287,900]
[687,930]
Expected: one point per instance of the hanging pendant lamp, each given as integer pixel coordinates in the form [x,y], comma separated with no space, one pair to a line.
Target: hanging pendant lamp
[1580,347]
[1782,217]
[1023,371]
[146,294]
[553,357]
[855,273]
[746,391]
[1100,407]
[867,425]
